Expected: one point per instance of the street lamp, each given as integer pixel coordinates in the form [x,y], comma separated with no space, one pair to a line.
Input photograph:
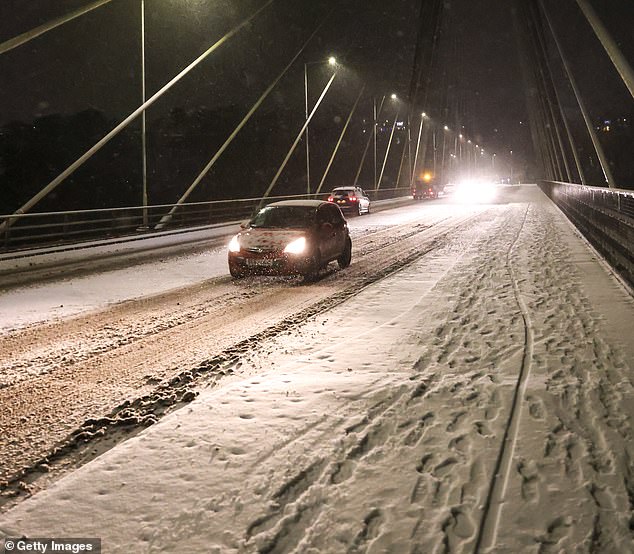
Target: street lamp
[511,176]
[461,137]
[374,129]
[420,132]
[442,164]
[332,61]
[144,198]
[389,143]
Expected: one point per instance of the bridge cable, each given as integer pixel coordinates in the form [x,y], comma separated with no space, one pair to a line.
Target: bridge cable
[605,166]
[548,86]
[297,139]
[610,46]
[114,132]
[375,116]
[546,97]
[242,123]
[343,132]
[19,40]
[527,62]
[557,101]
[387,151]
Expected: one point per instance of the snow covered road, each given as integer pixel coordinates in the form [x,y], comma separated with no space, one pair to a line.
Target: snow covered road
[480,398]
[113,354]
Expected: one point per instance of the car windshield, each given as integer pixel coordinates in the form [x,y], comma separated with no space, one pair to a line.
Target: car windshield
[343,192]
[294,217]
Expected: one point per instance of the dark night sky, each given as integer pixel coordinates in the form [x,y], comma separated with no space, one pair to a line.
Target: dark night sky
[94,61]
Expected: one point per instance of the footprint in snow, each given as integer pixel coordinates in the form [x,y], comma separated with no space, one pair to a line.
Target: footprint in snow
[444,467]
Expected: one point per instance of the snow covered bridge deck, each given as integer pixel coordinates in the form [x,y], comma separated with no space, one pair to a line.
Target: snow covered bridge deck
[480,398]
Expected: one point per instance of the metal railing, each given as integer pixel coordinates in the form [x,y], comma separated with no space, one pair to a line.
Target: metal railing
[604,216]
[33,230]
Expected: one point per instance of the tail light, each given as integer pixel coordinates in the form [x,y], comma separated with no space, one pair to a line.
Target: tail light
[330,199]
[353,198]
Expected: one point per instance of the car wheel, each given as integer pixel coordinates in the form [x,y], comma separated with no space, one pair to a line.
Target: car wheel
[368,210]
[359,209]
[346,256]
[313,273]
[235,273]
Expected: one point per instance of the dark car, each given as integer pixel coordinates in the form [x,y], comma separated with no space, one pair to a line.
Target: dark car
[425,187]
[350,199]
[425,191]
[293,237]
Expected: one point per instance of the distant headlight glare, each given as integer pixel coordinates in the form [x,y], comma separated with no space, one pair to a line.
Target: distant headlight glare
[296,247]
[234,245]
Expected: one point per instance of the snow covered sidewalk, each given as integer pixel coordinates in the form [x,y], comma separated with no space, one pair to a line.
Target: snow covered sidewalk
[481,398]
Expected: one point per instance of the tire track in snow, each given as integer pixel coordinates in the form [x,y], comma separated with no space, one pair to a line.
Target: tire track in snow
[39,350]
[100,434]
[295,510]
[578,414]
[487,531]
[449,483]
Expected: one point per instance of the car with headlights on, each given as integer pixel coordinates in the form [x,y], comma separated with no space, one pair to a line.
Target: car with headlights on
[425,187]
[292,237]
[350,199]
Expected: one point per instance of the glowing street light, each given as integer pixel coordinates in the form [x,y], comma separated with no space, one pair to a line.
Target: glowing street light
[393,96]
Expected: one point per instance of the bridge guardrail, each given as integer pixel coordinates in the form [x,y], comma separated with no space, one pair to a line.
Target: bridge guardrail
[604,216]
[32,230]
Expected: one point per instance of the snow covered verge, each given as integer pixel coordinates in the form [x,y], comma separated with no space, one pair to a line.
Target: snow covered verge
[480,399]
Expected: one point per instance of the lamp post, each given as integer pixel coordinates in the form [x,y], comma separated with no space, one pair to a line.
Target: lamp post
[420,132]
[389,144]
[511,176]
[331,61]
[375,123]
[461,137]
[444,144]
[144,197]
[469,170]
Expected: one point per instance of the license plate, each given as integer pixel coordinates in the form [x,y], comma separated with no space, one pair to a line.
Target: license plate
[257,262]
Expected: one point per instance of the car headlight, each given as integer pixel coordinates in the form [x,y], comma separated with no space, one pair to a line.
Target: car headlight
[296,247]
[234,245]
